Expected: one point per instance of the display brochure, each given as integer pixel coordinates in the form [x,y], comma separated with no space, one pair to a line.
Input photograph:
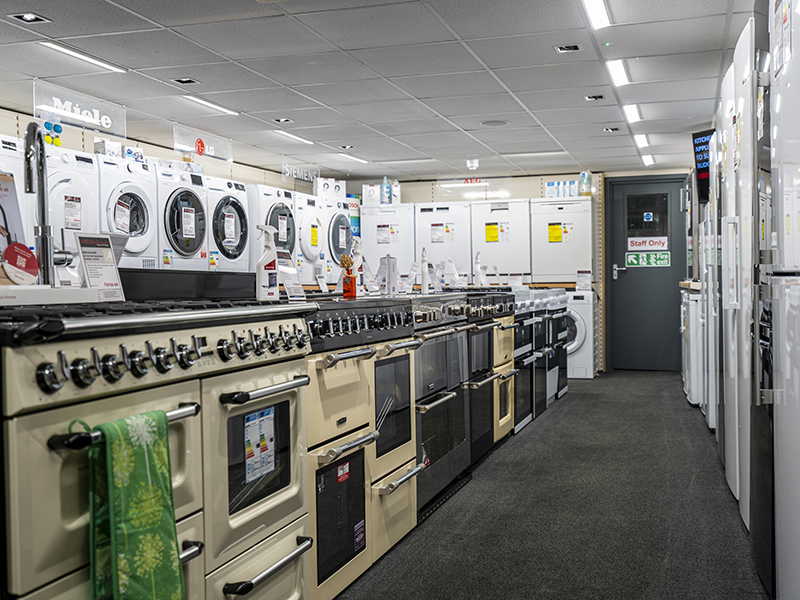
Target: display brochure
[100,266]
[289,278]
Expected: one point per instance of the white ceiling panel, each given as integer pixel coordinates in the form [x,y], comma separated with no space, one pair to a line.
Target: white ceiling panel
[76,17]
[463,151]
[454,84]
[142,49]
[544,162]
[489,161]
[672,126]
[170,107]
[431,140]
[474,105]
[257,38]
[634,11]
[674,160]
[570,98]
[11,33]
[668,139]
[480,19]
[677,110]
[520,147]
[257,101]
[223,125]
[304,117]
[412,127]
[34,60]
[311,68]
[346,93]
[668,37]
[696,65]
[11,76]
[536,49]
[383,145]
[588,130]
[515,120]
[676,149]
[338,134]
[421,59]
[119,87]
[172,14]
[376,112]
[600,153]
[371,27]
[618,164]
[134,116]
[667,91]
[257,136]
[304,6]
[275,144]
[598,142]
[502,134]
[593,114]
[214,77]
[553,77]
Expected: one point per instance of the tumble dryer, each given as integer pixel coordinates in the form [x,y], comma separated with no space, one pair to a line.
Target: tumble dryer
[580,335]
[128,207]
[340,236]
[388,229]
[18,221]
[272,206]
[562,234]
[311,237]
[444,231]
[229,229]
[183,215]
[501,233]
[73,183]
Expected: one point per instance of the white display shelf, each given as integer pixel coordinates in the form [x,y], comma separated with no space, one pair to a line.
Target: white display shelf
[20,295]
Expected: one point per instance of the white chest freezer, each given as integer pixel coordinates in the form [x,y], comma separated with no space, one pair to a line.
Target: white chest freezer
[444,231]
[562,235]
[388,229]
[501,233]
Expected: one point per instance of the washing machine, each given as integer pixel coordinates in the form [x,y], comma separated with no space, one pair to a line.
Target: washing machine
[340,237]
[183,215]
[501,233]
[444,231]
[229,229]
[580,336]
[272,206]
[311,233]
[73,184]
[17,220]
[128,207]
[562,238]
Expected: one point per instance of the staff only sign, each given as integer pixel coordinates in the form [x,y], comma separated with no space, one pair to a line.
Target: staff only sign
[648,243]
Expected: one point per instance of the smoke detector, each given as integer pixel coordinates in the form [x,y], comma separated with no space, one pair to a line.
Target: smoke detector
[472,164]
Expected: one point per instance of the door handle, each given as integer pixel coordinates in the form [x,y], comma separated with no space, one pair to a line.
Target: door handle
[615,271]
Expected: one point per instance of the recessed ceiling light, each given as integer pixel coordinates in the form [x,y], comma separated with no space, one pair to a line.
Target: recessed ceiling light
[294,137]
[594,98]
[610,129]
[185,80]
[494,123]
[598,15]
[361,160]
[29,18]
[83,57]
[631,113]
[618,74]
[283,120]
[648,160]
[568,48]
[641,140]
[347,147]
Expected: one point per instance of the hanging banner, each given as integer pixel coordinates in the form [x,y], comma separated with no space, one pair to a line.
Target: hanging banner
[76,109]
[200,143]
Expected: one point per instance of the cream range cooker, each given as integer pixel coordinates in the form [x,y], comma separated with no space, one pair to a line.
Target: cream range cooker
[215,368]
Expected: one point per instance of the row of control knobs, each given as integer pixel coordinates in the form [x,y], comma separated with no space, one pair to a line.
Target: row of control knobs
[339,326]
[85,371]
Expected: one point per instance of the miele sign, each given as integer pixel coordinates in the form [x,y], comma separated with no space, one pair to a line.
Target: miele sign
[648,243]
[64,107]
[52,102]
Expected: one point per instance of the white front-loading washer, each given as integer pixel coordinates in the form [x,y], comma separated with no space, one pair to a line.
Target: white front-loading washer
[183,215]
[339,238]
[16,220]
[272,206]
[128,207]
[580,335]
[311,233]
[73,185]
[229,229]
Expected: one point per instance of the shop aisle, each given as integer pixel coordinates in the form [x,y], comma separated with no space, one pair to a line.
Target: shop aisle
[616,492]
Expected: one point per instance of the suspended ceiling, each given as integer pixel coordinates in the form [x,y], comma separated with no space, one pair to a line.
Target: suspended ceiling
[407,84]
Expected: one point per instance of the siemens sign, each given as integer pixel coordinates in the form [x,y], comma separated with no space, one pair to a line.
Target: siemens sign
[702,161]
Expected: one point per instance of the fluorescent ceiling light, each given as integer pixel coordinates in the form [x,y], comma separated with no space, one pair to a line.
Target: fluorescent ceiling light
[361,160]
[598,14]
[631,113]
[221,109]
[83,57]
[534,154]
[457,185]
[66,113]
[641,140]
[294,137]
[618,73]
[407,161]
[647,160]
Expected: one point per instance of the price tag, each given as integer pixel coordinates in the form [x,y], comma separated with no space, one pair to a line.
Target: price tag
[343,236]
[230,227]
[188,222]
[72,212]
[322,284]
[282,228]
[122,216]
[437,233]
[554,233]
[100,267]
[383,234]
[288,273]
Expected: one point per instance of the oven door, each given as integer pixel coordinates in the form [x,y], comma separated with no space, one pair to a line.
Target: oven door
[481,414]
[457,358]
[539,384]
[47,491]
[540,326]
[275,569]
[339,396]
[481,359]
[394,507]
[504,401]
[338,478]
[561,356]
[523,335]
[503,348]
[552,374]
[524,392]
[254,444]
[430,366]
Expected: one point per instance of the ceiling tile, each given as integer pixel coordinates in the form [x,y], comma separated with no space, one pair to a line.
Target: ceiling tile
[698,109]
[142,49]
[598,142]
[118,87]
[674,160]
[665,37]
[672,125]
[11,76]
[345,93]
[376,112]
[667,139]
[590,130]
[132,116]
[456,84]
[214,77]
[502,134]
[461,151]
[223,125]
[338,134]
[592,153]
[76,17]
[479,19]
[515,120]
[383,145]
[570,98]
[275,144]
[412,127]
[257,38]
[594,114]
[695,65]
[170,107]
[304,117]
[533,79]
[430,140]
[423,59]
[667,91]
[667,149]
[545,164]
[260,100]
[311,68]
[304,6]
[34,60]
[11,33]
[173,14]
[371,27]
[474,105]
[536,49]
[513,147]
[401,154]
[634,11]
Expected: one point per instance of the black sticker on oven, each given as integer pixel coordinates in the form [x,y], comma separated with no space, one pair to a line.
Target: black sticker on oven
[360,537]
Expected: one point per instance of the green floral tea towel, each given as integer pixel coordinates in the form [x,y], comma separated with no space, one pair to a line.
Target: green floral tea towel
[134,545]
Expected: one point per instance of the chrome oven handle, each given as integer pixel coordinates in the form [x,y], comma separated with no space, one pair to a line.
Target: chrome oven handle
[461,328]
[335,453]
[491,325]
[423,408]
[260,394]
[392,487]
[424,337]
[191,550]
[477,385]
[513,373]
[543,352]
[558,315]
[529,322]
[242,588]
[506,327]
[528,360]
[84,439]
[537,320]
[332,359]
[390,348]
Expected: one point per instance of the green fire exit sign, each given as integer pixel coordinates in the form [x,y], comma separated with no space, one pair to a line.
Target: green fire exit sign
[647,259]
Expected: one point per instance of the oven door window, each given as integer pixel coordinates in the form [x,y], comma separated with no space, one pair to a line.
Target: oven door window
[341,514]
[480,351]
[539,335]
[259,457]
[523,393]
[523,336]
[393,403]
[434,432]
[504,399]
[430,362]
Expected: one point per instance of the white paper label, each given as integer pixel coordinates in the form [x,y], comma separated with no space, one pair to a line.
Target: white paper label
[288,273]
[122,216]
[449,233]
[383,234]
[166,259]
[230,227]
[437,233]
[515,280]
[504,233]
[72,212]
[252,448]
[282,227]
[322,284]
[584,280]
[568,236]
[187,228]
[342,236]
[100,267]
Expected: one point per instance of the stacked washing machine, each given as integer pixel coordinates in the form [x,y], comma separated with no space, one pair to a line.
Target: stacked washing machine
[229,231]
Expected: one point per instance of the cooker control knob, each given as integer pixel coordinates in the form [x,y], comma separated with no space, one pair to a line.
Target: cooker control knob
[258,343]
[142,362]
[419,316]
[84,372]
[51,377]
[115,367]
[243,348]
[187,356]
[331,332]
[357,324]
[300,336]
[227,349]
[395,320]
[287,338]
[365,322]
[274,341]
[164,360]
[341,331]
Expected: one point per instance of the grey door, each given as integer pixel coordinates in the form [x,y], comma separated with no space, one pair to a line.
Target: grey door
[644,301]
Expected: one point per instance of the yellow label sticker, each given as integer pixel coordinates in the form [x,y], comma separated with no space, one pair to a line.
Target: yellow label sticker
[554,233]
[492,232]
[314,236]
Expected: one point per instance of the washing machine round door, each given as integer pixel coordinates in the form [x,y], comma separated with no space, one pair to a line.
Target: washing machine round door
[310,230]
[130,211]
[340,237]
[229,227]
[185,222]
[576,331]
[280,216]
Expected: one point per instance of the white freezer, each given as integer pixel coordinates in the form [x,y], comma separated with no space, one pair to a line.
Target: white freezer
[501,232]
[388,229]
[444,231]
[562,236]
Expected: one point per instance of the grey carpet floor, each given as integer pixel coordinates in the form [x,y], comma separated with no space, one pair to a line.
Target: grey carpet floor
[616,492]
